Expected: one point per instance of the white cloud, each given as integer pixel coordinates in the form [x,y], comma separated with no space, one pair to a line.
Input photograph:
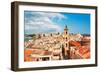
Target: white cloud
[38,22]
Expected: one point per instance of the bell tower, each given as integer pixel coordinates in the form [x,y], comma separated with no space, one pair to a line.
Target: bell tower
[66,43]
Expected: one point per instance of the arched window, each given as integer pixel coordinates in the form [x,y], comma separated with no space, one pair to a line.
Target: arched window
[66,45]
[66,38]
[66,32]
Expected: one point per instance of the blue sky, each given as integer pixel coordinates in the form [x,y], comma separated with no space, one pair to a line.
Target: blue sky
[47,22]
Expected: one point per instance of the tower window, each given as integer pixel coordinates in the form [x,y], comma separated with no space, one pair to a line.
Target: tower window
[66,38]
[66,45]
[66,32]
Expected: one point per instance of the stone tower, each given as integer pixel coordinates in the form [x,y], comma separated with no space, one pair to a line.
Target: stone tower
[66,43]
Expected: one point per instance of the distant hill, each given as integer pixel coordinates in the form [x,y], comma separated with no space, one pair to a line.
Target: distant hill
[29,35]
[86,34]
[81,34]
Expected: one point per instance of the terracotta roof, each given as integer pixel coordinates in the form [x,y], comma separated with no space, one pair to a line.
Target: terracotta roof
[37,51]
[84,52]
[28,52]
[75,43]
[30,59]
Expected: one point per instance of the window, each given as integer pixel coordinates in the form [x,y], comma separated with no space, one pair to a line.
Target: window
[66,38]
[66,45]
[66,32]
